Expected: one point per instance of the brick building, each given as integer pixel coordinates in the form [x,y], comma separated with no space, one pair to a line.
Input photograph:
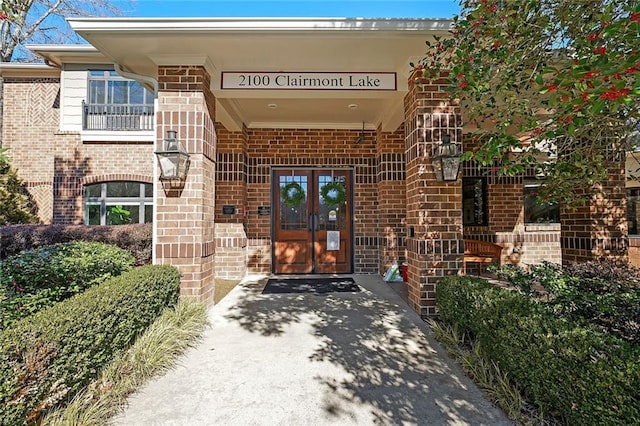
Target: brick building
[309,145]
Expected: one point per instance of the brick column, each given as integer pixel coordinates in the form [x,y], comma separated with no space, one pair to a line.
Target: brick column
[231,190]
[391,197]
[434,209]
[598,228]
[184,217]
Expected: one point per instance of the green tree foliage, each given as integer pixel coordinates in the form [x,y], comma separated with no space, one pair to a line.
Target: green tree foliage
[550,85]
[15,202]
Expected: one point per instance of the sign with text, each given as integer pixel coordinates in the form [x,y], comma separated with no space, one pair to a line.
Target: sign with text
[251,80]
[227,209]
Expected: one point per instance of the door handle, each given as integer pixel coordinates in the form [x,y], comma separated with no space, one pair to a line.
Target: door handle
[313,222]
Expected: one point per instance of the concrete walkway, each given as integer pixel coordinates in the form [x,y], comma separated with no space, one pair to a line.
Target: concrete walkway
[303,359]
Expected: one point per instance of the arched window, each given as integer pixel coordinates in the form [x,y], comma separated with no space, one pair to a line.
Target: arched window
[118,203]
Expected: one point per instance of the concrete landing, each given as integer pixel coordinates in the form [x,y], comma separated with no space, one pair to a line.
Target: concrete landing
[304,359]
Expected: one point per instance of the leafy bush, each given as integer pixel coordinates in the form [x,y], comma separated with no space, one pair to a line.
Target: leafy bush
[574,371]
[47,358]
[603,292]
[454,302]
[39,278]
[136,238]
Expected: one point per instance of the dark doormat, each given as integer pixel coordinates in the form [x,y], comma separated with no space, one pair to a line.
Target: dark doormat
[310,285]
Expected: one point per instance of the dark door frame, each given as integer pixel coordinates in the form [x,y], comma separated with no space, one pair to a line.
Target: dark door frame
[275,198]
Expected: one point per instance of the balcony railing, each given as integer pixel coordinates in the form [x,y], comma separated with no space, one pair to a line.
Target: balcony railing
[117,116]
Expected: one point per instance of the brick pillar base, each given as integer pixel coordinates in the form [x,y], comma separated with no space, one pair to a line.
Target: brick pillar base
[598,229]
[391,205]
[231,251]
[434,209]
[184,216]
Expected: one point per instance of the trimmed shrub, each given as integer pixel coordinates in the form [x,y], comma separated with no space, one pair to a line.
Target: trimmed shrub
[455,301]
[604,293]
[136,238]
[576,372]
[47,358]
[39,278]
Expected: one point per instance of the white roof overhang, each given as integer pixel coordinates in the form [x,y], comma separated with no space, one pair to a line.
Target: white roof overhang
[140,45]
[28,70]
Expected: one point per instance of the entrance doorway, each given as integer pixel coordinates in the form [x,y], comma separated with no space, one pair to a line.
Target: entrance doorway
[312,221]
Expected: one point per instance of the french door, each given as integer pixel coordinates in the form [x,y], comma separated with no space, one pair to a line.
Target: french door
[312,221]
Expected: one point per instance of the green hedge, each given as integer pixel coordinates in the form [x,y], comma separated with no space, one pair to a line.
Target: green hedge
[36,279]
[575,372]
[48,357]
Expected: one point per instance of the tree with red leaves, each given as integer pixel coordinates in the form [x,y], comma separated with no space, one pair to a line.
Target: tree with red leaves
[550,86]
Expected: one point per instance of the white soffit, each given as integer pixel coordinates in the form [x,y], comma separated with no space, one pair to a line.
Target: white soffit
[139,45]
[17,69]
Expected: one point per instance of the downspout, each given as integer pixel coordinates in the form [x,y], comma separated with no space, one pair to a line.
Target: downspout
[153,83]
[144,78]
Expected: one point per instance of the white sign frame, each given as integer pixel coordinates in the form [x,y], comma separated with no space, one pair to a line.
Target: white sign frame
[333,240]
[256,80]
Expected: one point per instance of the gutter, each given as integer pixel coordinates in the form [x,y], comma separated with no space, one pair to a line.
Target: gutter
[150,81]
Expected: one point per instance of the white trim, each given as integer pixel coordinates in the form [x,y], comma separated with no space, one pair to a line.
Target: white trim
[30,70]
[63,48]
[118,136]
[156,183]
[257,24]
[139,78]
[542,227]
[25,66]
[59,54]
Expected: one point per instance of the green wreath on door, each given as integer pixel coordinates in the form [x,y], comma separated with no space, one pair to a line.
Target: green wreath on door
[292,194]
[333,193]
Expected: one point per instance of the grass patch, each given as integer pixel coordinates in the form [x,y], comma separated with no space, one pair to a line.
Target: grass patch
[155,352]
[222,288]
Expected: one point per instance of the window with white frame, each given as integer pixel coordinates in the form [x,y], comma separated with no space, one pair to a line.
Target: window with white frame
[536,211]
[116,103]
[108,87]
[118,203]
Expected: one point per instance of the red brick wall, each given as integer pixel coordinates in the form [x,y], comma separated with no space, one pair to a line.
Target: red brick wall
[391,204]
[523,244]
[310,147]
[634,251]
[598,228]
[434,209]
[231,190]
[185,215]
[263,149]
[55,165]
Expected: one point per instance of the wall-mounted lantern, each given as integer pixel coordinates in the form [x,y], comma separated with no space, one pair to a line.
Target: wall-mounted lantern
[173,159]
[446,159]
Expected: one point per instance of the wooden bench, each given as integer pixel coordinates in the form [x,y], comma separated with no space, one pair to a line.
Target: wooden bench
[480,252]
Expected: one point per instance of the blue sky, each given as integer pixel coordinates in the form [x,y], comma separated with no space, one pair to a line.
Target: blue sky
[289,8]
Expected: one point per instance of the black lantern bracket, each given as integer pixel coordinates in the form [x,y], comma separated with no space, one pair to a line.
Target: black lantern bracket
[173,159]
[446,159]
